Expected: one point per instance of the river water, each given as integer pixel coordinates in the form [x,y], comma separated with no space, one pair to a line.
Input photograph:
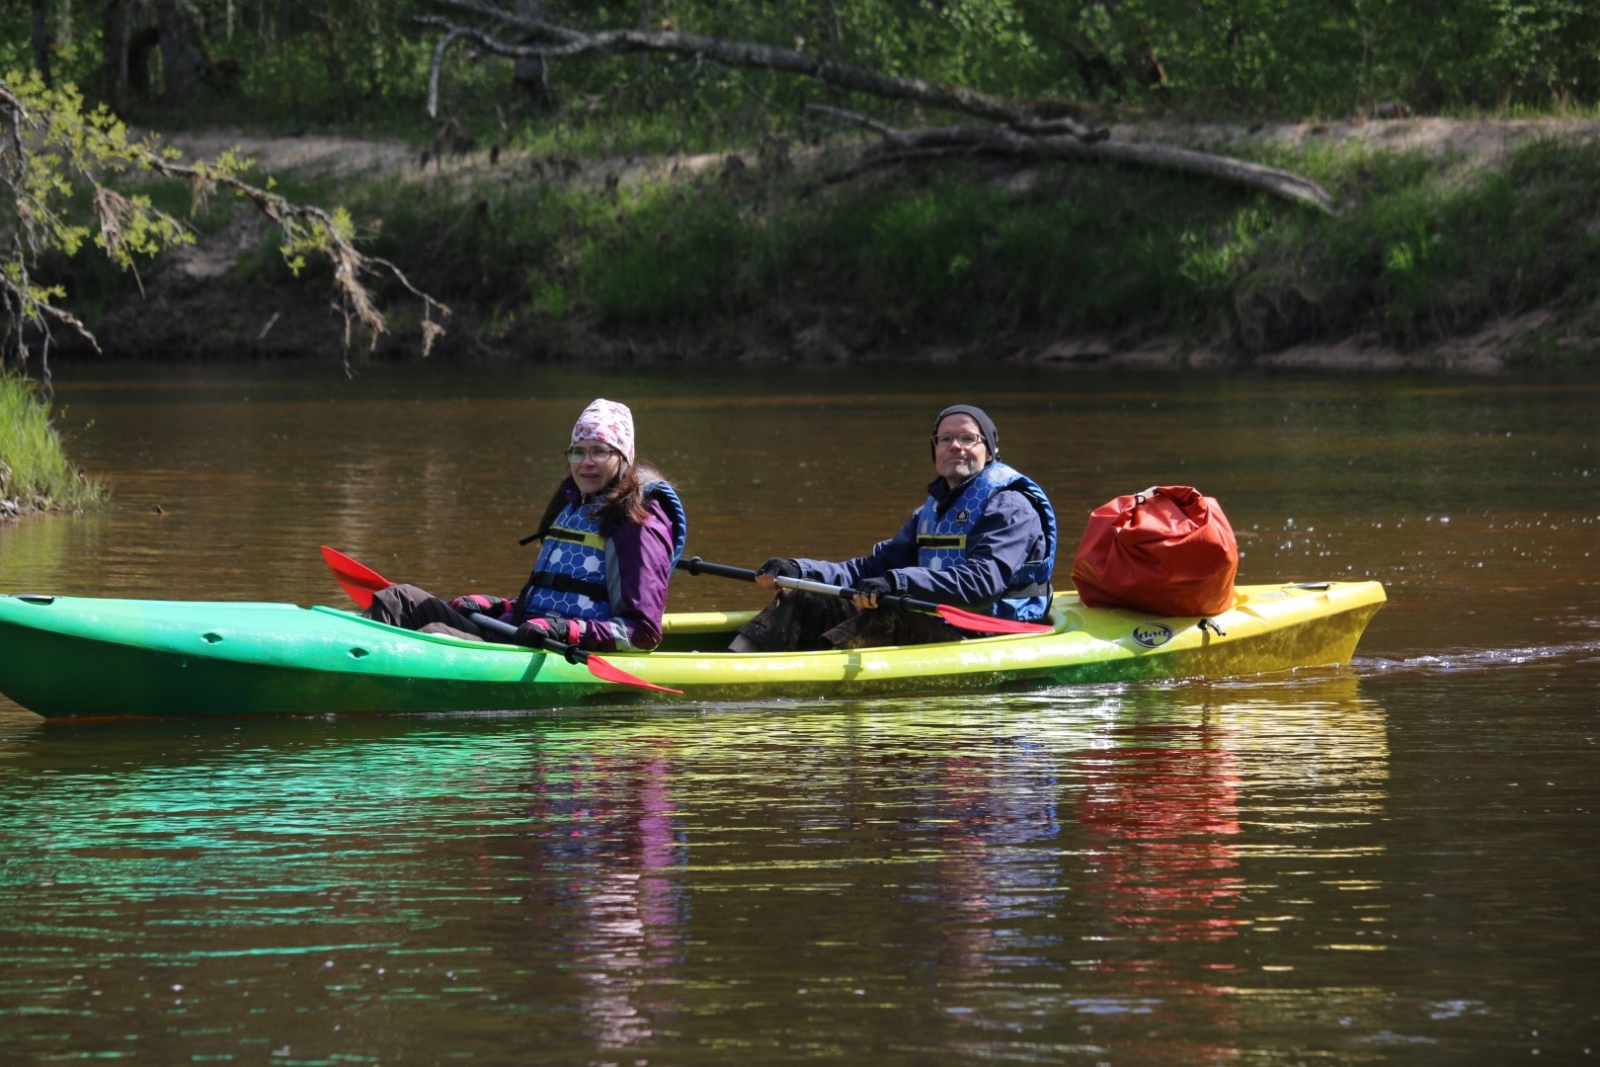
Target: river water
[1395,863]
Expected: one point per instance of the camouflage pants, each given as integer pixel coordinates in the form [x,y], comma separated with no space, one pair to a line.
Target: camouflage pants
[812,622]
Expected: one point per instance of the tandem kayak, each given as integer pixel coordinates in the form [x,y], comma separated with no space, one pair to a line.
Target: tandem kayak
[81,656]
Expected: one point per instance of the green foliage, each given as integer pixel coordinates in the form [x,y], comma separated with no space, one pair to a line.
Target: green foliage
[971,254]
[669,261]
[1416,260]
[363,64]
[34,472]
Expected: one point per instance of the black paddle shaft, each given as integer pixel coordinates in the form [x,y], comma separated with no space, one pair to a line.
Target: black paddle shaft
[573,653]
[695,565]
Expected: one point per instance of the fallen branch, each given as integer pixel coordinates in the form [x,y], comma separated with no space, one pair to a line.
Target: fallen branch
[1282,183]
[1023,130]
[564,42]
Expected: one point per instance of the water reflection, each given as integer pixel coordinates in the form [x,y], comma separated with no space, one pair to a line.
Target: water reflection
[1161,808]
[1045,864]
[605,829]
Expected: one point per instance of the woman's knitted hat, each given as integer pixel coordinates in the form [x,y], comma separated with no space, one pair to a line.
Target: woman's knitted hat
[608,422]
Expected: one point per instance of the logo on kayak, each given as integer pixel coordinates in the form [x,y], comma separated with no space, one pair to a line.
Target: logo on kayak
[1152,634]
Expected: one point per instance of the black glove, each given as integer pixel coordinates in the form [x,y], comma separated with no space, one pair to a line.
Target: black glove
[492,606]
[779,567]
[541,628]
[878,587]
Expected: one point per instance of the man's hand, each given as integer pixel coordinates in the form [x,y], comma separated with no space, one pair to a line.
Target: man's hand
[776,567]
[492,606]
[868,590]
[541,628]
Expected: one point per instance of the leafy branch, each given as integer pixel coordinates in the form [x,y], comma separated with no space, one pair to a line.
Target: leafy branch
[52,146]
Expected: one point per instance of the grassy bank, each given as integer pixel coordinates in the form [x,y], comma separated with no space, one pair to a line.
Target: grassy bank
[981,257]
[35,474]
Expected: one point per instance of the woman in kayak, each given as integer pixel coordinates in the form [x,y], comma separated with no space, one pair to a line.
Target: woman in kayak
[612,531]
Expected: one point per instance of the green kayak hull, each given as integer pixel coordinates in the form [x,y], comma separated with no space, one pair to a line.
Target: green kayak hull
[80,656]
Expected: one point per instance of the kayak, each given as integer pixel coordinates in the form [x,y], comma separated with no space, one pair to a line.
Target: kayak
[83,656]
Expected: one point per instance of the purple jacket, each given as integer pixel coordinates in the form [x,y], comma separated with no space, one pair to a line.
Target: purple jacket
[638,567]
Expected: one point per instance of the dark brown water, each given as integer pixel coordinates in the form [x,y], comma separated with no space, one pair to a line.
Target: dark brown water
[1397,863]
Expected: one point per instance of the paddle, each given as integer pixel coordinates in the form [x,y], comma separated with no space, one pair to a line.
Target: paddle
[957,617]
[361,581]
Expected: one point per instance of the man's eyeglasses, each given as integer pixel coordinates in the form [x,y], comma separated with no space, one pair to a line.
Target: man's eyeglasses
[965,440]
[599,455]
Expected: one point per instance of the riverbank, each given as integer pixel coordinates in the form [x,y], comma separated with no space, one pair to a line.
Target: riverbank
[1458,245]
[35,475]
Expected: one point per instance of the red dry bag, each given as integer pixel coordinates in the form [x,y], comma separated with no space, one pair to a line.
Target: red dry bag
[1168,550]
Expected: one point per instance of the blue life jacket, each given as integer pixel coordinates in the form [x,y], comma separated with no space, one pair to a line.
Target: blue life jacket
[942,529]
[572,576]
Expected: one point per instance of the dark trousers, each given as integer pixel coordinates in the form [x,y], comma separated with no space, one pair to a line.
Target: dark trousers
[812,622]
[411,608]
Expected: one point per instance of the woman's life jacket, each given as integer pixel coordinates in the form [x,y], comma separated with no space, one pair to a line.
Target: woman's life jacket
[576,574]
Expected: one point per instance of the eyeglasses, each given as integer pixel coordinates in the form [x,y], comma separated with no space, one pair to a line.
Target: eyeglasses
[965,440]
[580,455]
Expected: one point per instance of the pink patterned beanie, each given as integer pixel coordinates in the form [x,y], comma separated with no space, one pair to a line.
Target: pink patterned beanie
[608,422]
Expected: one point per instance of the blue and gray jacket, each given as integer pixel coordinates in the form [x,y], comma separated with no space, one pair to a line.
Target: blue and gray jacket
[988,544]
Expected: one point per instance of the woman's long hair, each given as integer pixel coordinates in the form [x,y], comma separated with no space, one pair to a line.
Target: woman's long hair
[624,500]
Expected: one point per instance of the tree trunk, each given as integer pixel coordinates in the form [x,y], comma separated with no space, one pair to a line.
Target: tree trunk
[114,54]
[528,80]
[181,62]
[41,43]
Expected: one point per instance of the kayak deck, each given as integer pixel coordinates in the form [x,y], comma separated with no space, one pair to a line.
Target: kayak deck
[68,656]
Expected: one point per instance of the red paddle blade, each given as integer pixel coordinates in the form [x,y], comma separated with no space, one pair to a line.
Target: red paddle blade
[988,624]
[359,580]
[607,672]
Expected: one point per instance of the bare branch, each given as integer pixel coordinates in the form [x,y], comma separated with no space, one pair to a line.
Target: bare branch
[1238,171]
[854,118]
[433,68]
[565,42]
[1021,129]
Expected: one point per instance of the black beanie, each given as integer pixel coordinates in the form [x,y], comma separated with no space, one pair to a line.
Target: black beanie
[991,436]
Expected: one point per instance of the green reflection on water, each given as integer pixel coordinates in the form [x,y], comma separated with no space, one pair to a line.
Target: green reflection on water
[1011,862]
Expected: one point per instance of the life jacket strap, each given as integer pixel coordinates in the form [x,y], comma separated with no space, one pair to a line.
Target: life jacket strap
[566,583]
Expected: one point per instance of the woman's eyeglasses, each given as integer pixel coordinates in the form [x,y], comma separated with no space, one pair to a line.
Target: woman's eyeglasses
[580,455]
[965,440]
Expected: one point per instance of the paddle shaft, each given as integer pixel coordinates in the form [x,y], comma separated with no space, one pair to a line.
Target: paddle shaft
[696,565]
[960,618]
[572,653]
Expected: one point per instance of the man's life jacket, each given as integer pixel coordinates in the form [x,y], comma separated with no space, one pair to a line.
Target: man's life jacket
[942,530]
[576,570]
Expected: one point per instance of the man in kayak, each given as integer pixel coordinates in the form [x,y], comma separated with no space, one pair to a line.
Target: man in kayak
[612,531]
[985,539]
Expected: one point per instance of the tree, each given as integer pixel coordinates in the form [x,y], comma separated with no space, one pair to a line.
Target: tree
[52,147]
